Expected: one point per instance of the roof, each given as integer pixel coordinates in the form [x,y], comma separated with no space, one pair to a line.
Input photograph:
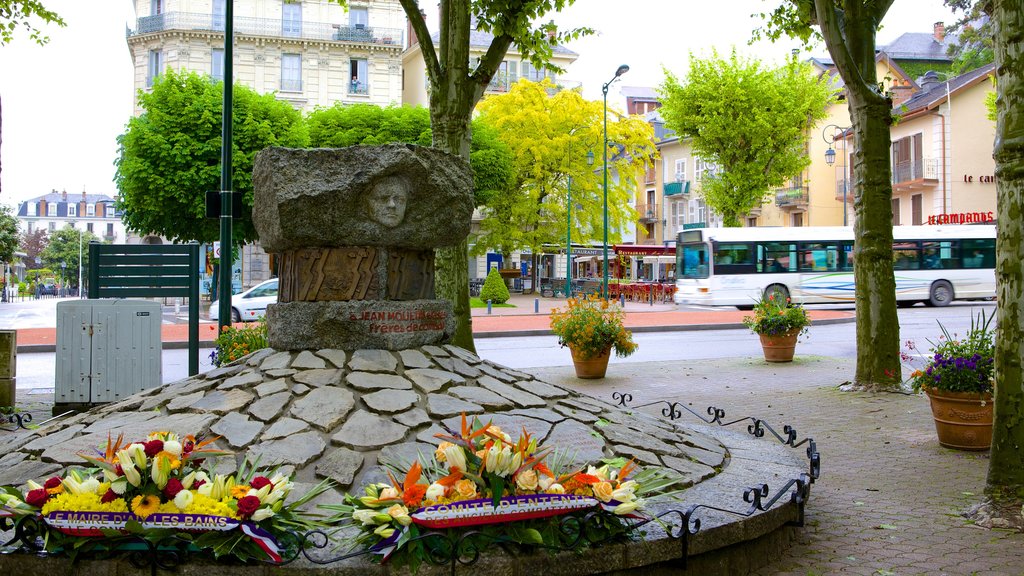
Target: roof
[639,92]
[482,40]
[62,200]
[933,91]
[919,46]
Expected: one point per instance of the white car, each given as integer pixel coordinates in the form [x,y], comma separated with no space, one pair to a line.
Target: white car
[249,305]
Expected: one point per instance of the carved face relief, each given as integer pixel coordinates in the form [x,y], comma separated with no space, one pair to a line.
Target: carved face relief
[387,201]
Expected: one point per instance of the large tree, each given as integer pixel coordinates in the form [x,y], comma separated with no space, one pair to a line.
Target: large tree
[550,136]
[369,124]
[23,13]
[455,87]
[848,28]
[170,155]
[972,47]
[1005,486]
[64,247]
[750,120]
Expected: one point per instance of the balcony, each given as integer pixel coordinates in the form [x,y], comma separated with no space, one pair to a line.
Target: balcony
[677,188]
[503,81]
[648,212]
[915,173]
[796,197]
[267,27]
[358,87]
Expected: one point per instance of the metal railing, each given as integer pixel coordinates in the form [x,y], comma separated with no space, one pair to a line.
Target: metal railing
[267,27]
[797,196]
[648,212]
[358,87]
[915,169]
[291,85]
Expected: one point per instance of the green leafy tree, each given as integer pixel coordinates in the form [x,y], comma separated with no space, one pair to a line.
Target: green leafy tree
[455,87]
[750,120]
[170,155]
[368,124]
[1005,485]
[9,236]
[973,47]
[32,244]
[494,288]
[550,135]
[64,248]
[848,28]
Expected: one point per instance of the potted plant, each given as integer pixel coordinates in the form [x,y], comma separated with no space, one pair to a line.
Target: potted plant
[779,323]
[592,327]
[959,379]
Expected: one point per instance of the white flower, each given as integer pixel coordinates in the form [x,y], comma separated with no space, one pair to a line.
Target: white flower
[206,489]
[555,489]
[174,447]
[262,514]
[183,499]
[434,492]
[365,516]
[545,482]
[389,493]
[455,456]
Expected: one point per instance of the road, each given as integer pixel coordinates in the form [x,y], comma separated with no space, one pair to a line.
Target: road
[36,371]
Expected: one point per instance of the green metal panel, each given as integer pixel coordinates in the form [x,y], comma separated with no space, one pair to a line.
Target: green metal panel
[145,282]
[117,271]
[676,188]
[108,259]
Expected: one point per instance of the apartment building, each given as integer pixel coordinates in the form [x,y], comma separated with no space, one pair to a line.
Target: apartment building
[512,68]
[87,212]
[308,52]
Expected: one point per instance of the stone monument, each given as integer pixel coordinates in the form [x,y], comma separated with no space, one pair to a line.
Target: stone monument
[355,231]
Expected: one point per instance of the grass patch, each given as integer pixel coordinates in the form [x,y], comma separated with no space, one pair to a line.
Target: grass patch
[475,302]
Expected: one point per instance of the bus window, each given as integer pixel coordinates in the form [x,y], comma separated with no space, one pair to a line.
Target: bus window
[847,254]
[819,257]
[979,252]
[939,254]
[694,261]
[906,256]
[778,256]
[733,254]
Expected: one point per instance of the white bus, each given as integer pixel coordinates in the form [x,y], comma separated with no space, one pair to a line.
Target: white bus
[814,264]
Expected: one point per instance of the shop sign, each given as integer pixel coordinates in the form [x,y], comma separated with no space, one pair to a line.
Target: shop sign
[962,218]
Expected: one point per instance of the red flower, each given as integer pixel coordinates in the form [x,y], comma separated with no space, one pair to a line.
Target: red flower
[37,497]
[172,488]
[198,483]
[118,470]
[259,482]
[248,505]
[52,483]
[153,447]
[110,496]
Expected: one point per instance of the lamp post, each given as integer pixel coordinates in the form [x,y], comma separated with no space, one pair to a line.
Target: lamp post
[830,156]
[63,278]
[79,263]
[604,91]
[568,230]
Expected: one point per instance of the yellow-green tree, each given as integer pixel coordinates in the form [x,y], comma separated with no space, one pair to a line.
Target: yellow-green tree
[550,133]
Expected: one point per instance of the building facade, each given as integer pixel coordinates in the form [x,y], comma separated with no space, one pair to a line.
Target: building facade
[93,213]
[308,52]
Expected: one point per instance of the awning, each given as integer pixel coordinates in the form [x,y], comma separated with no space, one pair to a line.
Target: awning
[644,250]
[580,259]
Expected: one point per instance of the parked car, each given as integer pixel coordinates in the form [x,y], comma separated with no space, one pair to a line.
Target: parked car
[249,305]
[47,289]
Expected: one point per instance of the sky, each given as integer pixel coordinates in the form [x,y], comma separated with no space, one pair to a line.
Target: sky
[64,104]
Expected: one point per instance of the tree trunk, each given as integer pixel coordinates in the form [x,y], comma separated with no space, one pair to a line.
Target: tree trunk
[878,336]
[1006,467]
[449,122]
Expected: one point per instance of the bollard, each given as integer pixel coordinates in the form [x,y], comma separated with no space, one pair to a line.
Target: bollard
[652,294]
[622,300]
[536,305]
[488,306]
[8,360]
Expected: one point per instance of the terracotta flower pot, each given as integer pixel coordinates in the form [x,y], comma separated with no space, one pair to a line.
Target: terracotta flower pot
[963,420]
[593,367]
[779,347]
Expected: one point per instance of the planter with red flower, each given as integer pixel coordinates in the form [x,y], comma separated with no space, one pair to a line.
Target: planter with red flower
[144,489]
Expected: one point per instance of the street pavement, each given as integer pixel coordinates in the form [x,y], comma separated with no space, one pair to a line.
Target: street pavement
[889,498]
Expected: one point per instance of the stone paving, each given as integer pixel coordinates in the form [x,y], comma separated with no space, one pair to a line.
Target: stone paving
[889,499]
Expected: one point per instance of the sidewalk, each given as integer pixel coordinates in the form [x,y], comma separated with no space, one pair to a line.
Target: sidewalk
[529,317]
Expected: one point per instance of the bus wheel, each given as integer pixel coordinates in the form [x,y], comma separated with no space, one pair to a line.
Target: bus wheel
[941,293]
[745,307]
[780,292]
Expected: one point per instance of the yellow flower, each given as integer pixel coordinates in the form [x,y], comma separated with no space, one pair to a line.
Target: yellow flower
[603,491]
[465,488]
[143,506]
[527,480]
[239,491]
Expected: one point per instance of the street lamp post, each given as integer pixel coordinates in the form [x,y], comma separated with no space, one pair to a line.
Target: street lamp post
[568,231]
[79,263]
[63,278]
[604,91]
[830,156]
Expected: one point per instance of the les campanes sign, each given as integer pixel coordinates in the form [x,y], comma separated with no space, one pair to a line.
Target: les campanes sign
[962,218]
